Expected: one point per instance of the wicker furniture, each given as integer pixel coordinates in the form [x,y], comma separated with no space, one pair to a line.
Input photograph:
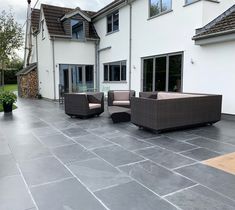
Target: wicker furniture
[120,97]
[84,105]
[119,114]
[175,110]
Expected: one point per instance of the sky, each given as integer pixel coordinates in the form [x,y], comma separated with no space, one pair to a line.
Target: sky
[19,8]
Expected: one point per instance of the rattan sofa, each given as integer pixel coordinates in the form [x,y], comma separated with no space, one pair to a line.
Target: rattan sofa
[84,105]
[120,97]
[164,111]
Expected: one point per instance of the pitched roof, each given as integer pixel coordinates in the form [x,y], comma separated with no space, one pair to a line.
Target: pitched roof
[224,24]
[53,15]
[27,69]
[35,18]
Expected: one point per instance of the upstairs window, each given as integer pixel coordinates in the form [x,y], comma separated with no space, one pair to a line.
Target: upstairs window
[77,29]
[157,7]
[113,22]
[190,1]
[115,72]
[43,29]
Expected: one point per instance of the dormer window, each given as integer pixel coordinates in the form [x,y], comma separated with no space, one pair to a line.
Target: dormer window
[113,22]
[77,29]
[158,7]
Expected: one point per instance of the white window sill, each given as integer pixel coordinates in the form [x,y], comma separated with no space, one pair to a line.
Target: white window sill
[114,82]
[112,32]
[188,4]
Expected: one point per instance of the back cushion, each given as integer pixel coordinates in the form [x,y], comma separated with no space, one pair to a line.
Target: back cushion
[121,95]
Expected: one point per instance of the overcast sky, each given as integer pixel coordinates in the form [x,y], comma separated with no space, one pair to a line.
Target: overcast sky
[19,7]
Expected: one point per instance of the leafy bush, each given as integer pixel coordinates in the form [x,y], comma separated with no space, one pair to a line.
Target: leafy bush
[7,97]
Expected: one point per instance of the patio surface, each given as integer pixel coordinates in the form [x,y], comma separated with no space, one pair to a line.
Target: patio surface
[49,161]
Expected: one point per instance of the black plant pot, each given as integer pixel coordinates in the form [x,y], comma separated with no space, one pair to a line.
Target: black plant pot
[7,107]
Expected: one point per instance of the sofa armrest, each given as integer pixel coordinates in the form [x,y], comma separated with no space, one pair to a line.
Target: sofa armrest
[75,103]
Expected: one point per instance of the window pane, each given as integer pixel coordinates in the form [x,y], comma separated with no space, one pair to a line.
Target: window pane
[109,23]
[89,77]
[155,7]
[106,75]
[77,29]
[166,5]
[123,73]
[175,66]
[160,74]
[148,75]
[114,72]
[115,21]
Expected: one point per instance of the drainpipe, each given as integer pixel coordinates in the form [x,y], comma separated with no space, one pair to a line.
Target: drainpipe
[53,57]
[130,44]
[37,60]
[97,66]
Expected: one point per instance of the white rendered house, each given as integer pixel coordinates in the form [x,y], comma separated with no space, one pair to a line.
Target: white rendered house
[144,45]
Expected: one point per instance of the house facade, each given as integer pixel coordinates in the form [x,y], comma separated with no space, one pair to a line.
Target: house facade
[144,45]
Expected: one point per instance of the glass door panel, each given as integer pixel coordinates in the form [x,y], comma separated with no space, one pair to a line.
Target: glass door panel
[175,68]
[89,78]
[148,75]
[160,73]
[76,72]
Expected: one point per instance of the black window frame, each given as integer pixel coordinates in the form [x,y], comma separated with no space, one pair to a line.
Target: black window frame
[83,28]
[162,11]
[43,28]
[108,67]
[111,20]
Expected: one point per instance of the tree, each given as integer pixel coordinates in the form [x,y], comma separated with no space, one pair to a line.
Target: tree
[11,39]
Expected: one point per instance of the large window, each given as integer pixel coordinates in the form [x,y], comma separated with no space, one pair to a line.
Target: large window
[163,73]
[157,7]
[115,72]
[113,22]
[190,1]
[77,29]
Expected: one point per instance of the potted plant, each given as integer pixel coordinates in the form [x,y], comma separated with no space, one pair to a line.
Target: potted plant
[7,99]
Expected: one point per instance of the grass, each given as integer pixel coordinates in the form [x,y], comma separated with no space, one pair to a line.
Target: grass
[12,87]
[1,108]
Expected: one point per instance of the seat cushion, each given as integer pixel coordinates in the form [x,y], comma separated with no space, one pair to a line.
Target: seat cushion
[94,106]
[121,103]
[121,95]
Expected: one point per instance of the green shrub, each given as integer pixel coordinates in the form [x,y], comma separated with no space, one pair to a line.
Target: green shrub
[7,97]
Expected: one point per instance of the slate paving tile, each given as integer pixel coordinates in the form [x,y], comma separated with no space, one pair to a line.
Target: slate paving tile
[132,196]
[91,141]
[72,153]
[56,140]
[171,144]
[180,135]
[23,139]
[212,178]
[97,174]
[102,131]
[165,157]
[65,195]
[75,132]
[13,194]
[4,149]
[44,131]
[130,142]
[43,170]
[200,198]
[200,154]
[8,166]
[117,156]
[156,178]
[213,145]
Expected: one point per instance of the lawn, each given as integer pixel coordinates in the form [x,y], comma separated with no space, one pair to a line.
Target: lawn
[12,87]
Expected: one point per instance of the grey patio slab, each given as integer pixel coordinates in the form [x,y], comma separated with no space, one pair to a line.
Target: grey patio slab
[171,144]
[165,157]
[117,156]
[91,141]
[130,142]
[72,153]
[22,139]
[65,195]
[132,196]
[213,178]
[200,154]
[114,135]
[105,130]
[44,131]
[61,124]
[180,135]
[156,178]
[56,140]
[213,145]
[43,171]
[96,174]
[75,132]
[4,149]
[8,166]
[200,198]
[29,151]
[13,194]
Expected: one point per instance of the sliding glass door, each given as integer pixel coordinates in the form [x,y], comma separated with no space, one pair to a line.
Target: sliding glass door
[77,78]
[163,73]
